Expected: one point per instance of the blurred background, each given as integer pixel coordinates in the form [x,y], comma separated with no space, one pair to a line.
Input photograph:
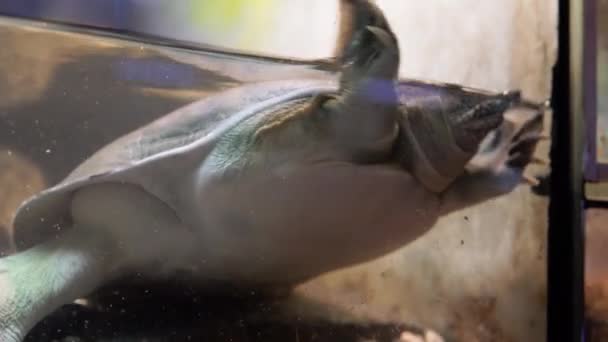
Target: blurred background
[602,81]
[307,29]
[271,26]
[596,247]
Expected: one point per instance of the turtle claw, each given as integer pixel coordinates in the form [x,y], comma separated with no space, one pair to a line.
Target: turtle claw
[522,147]
[521,151]
[510,150]
[540,160]
[532,125]
[531,180]
[499,165]
[524,141]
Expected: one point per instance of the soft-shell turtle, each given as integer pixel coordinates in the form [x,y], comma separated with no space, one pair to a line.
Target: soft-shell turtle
[267,185]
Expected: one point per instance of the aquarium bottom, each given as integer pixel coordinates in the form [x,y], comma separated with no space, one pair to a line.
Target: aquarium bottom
[199,318]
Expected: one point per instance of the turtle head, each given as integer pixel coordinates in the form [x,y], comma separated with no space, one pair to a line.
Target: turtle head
[442,127]
[469,126]
[432,129]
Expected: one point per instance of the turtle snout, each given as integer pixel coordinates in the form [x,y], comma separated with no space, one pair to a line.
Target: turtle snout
[473,125]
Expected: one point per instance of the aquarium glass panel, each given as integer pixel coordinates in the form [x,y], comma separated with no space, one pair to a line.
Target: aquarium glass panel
[271,170]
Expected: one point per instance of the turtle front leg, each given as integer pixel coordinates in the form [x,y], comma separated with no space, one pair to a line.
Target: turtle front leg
[363,116]
[35,282]
[498,168]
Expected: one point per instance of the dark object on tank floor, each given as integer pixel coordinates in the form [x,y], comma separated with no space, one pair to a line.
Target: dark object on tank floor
[181,319]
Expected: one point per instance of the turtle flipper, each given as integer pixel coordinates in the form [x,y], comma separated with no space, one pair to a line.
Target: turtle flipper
[498,167]
[355,15]
[116,228]
[364,114]
[35,282]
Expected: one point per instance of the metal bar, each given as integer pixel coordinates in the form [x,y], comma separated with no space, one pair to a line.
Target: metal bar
[565,236]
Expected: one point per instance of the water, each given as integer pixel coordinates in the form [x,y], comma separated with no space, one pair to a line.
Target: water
[477,275]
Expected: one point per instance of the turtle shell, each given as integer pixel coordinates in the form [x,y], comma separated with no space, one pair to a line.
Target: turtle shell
[158,152]
[177,143]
